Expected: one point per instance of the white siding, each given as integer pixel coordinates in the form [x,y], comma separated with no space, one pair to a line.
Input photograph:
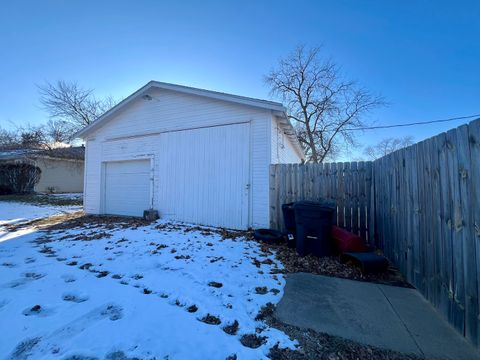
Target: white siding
[136,131]
[92,182]
[283,151]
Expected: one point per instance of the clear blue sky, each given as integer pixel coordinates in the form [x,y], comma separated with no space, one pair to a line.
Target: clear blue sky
[422,56]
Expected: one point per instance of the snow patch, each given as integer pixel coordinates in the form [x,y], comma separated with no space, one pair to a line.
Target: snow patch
[137,292]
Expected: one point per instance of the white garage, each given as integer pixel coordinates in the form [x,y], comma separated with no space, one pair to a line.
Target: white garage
[194,155]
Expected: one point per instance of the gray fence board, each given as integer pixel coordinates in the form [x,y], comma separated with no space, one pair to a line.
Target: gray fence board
[420,205]
[347,185]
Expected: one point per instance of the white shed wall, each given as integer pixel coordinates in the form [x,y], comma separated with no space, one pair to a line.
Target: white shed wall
[135,133]
[283,151]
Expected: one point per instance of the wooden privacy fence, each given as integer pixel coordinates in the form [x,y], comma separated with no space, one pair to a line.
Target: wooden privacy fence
[420,205]
[348,185]
[427,214]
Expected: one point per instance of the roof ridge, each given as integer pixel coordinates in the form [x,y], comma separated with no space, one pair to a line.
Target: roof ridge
[276,103]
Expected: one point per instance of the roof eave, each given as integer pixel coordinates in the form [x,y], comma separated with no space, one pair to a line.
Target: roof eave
[290,132]
[95,124]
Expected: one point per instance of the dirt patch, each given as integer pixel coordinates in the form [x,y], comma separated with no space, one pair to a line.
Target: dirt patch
[265,312]
[44,223]
[205,231]
[232,328]
[86,266]
[211,320]
[215,284]
[87,222]
[253,340]
[261,290]
[94,235]
[329,266]
[192,308]
[102,274]
[34,310]
[46,250]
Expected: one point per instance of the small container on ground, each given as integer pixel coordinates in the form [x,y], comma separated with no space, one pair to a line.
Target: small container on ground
[313,227]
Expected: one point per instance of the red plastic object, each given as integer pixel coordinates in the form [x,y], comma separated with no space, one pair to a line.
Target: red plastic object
[346,241]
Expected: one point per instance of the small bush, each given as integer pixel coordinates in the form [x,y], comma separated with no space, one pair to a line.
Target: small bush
[5,190]
[20,178]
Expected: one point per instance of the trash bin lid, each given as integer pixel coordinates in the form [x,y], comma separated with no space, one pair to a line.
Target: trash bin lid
[314,205]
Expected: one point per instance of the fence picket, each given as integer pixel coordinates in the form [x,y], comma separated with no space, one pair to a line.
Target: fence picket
[420,205]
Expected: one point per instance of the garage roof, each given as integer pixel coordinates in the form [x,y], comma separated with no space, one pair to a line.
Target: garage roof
[277,108]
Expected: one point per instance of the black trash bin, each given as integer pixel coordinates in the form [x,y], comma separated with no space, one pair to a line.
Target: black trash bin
[289,221]
[313,226]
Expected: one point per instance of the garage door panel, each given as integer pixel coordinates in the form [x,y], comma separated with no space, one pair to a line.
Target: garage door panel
[207,182]
[127,187]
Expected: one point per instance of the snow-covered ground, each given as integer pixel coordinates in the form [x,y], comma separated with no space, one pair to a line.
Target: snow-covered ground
[18,213]
[151,292]
[15,212]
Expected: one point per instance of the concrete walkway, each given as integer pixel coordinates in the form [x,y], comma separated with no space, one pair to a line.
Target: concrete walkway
[387,317]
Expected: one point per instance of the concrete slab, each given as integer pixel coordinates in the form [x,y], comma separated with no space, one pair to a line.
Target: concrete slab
[384,316]
[433,335]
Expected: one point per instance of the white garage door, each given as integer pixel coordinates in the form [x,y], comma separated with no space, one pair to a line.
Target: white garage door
[203,176]
[127,187]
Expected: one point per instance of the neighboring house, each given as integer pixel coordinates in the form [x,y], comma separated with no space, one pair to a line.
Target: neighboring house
[194,155]
[62,168]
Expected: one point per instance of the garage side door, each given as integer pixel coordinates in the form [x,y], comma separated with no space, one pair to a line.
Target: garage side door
[204,176]
[127,187]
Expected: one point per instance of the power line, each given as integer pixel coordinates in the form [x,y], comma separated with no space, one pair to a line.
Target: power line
[416,123]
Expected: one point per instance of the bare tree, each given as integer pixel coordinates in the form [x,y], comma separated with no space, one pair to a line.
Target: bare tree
[33,137]
[60,131]
[40,137]
[8,139]
[323,106]
[24,137]
[387,146]
[71,107]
